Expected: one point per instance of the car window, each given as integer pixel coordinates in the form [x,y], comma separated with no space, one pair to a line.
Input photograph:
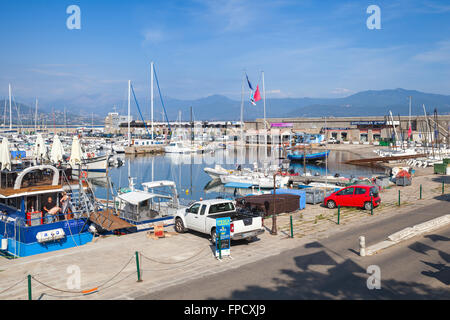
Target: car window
[202,211]
[221,207]
[346,192]
[374,191]
[360,191]
[194,208]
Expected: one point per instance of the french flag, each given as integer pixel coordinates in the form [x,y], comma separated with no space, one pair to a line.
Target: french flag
[256,96]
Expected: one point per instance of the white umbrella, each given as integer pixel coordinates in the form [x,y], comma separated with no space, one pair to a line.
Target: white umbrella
[5,155]
[57,152]
[40,150]
[75,155]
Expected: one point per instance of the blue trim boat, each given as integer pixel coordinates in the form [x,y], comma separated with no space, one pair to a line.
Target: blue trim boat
[298,156]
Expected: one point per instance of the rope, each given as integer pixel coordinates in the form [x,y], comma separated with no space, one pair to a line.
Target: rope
[172,268]
[177,262]
[1,292]
[160,96]
[85,291]
[139,109]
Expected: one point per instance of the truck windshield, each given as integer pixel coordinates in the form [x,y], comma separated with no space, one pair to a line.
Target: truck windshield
[221,207]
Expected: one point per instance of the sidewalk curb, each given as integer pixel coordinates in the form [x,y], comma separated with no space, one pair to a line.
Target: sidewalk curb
[408,233]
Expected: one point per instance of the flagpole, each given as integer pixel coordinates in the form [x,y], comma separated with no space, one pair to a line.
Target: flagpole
[265,126]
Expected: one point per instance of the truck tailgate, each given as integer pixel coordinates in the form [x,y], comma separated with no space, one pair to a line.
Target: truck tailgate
[247,224]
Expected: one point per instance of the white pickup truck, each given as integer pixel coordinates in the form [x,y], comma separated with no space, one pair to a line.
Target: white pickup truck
[201,216]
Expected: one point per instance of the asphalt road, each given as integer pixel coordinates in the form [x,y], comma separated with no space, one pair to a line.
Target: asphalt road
[418,268]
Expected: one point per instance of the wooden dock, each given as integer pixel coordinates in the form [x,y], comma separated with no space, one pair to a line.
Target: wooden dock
[153,149]
[108,220]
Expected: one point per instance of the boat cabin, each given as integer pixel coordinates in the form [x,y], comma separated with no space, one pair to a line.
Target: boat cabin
[33,214]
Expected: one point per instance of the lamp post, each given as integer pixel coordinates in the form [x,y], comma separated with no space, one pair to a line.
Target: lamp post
[274,216]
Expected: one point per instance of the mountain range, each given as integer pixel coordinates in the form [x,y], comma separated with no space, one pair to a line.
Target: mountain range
[219,107]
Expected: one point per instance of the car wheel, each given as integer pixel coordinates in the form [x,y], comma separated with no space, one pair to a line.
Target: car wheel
[179,226]
[331,204]
[367,205]
[213,236]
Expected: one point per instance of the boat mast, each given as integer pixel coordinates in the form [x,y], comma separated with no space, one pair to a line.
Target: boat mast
[242,109]
[151,95]
[10,109]
[35,116]
[409,120]
[129,97]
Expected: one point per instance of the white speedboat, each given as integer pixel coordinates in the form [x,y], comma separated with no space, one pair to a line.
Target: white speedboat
[217,171]
[182,147]
[255,179]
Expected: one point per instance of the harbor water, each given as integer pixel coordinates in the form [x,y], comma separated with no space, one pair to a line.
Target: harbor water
[186,170]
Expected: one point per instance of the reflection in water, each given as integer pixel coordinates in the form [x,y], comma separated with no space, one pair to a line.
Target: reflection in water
[186,170]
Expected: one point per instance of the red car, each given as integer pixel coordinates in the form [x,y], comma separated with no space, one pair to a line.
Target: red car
[354,196]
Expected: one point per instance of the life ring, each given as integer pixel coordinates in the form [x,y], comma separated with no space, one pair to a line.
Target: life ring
[84,174]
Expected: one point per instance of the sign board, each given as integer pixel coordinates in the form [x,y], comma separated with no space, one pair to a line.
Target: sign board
[159,230]
[282,125]
[223,233]
[368,123]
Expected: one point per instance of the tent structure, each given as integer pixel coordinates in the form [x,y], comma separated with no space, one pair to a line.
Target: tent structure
[5,155]
[40,149]
[57,152]
[76,153]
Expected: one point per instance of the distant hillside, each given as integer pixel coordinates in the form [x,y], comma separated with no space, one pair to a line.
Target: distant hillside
[218,107]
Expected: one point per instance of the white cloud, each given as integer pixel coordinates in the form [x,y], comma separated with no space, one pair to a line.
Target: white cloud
[441,53]
[152,36]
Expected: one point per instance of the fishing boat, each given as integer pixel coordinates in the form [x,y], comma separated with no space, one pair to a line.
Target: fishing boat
[296,156]
[26,229]
[145,208]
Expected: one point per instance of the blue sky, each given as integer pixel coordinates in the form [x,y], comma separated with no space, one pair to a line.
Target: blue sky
[305,48]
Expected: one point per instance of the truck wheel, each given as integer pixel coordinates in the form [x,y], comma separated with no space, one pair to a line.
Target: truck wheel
[179,226]
[213,236]
[331,204]
[367,206]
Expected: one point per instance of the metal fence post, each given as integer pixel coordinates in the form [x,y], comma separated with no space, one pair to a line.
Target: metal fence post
[138,268]
[292,229]
[371,205]
[399,198]
[339,213]
[30,296]
[443,187]
[220,247]
[420,192]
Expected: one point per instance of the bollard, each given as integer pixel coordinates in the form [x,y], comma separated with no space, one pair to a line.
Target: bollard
[138,269]
[371,205]
[399,198]
[30,297]
[339,213]
[362,246]
[420,192]
[220,247]
[292,229]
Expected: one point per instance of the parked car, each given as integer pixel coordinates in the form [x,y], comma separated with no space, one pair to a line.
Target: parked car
[362,196]
[201,216]
[332,141]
